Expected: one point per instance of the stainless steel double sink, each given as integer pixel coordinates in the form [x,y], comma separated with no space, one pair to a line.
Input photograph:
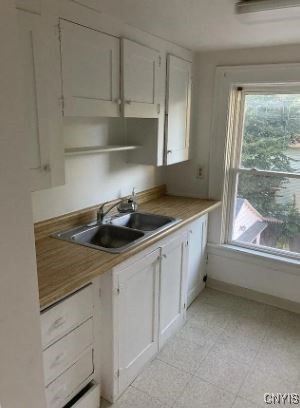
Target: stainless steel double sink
[119,233]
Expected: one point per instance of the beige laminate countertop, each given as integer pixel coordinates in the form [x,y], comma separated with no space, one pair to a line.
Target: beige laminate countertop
[64,267]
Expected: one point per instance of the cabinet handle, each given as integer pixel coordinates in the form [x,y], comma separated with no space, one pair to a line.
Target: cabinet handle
[58,323]
[118,101]
[128,101]
[164,256]
[58,359]
[169,151]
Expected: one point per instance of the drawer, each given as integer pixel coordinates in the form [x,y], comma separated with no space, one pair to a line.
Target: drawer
[66,315]
[62,354]
[60,391]
[89,397]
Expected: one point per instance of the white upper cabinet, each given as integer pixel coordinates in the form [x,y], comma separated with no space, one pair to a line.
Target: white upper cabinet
[140,82]
[177,109]
[90,72]
[42,116]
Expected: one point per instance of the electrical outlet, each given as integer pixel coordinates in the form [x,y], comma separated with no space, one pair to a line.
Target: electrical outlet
[200,173]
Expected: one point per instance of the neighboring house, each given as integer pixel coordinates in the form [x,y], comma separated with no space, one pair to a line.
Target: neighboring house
[249,223]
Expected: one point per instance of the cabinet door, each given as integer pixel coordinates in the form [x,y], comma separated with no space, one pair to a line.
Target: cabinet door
[137,305]
[140,80]
[35,130]
[90,72]
[173,287]
[177,125]
[197,258]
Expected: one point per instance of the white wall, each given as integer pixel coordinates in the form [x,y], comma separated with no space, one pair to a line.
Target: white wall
[246,271]
[21,374]
[92,179]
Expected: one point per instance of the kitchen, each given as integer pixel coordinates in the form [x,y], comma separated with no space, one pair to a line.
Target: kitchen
[119,277]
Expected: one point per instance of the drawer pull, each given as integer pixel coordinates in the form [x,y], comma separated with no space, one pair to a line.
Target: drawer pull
[58,323]
[58,359]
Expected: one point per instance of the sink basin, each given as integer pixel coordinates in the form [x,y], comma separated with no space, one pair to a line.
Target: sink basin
[105,236]
[142,221]
[120,233]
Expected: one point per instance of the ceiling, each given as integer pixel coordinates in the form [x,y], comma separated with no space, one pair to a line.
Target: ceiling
[200,24]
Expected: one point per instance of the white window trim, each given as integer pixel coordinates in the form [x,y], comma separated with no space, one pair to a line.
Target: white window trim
[222,141]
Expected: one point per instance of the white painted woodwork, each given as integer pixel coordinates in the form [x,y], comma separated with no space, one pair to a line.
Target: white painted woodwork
[62,354]
[172,311]
[36,126]
[178,100]
[90,399]
[197,257]
[64,388]
[33,6]
[21,371]
[90,72]
[66,315]
[137,309]
[140,80]
[74,151]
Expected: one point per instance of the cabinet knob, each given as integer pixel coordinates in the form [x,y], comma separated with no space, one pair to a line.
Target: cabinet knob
[169,151]
[119,101]
[128,101]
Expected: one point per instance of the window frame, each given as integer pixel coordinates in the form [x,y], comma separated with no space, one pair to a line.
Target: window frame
[236,119]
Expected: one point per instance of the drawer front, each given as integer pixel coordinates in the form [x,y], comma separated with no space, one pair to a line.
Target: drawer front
[90,399]
[66,315]
[62,354]
[60,391]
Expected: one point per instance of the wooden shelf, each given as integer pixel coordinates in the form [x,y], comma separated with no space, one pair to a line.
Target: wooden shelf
[71,151]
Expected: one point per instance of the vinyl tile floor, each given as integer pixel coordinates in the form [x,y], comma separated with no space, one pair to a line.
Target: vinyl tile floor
[229,354]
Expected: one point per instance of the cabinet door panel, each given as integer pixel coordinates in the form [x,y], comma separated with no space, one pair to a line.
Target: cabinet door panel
[172,287]
[137,316]
[90,65]
[178,109]
[35,131]
[140,80]
[197,258]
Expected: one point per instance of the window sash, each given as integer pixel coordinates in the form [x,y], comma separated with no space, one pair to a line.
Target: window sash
[235,169]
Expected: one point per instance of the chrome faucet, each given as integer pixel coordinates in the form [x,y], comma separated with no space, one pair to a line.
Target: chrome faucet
[101,214]
[128,205]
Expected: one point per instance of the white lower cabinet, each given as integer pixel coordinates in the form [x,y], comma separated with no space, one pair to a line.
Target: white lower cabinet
[65,387]
[197,257]
[173,287]
[143,305]
[137,310]
[68,340]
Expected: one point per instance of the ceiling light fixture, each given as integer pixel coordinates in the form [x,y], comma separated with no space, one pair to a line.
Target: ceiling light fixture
[268,10]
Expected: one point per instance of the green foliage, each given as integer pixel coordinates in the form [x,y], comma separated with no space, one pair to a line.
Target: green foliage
[271,125]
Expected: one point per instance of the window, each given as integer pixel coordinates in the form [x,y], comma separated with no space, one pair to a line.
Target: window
[264,176]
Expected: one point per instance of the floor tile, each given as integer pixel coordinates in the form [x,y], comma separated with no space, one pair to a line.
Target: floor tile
[199,333]
[200,394]
[221,370]
[162,381]
[279,362]
[208,315]
[242,403]
[237,349]
[257,383]
[134,398]
[183,354]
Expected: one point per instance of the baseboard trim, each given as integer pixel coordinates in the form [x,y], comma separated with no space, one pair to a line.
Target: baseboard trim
[254,295]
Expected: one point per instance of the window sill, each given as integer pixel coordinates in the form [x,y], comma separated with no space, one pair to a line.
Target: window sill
[262,259]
